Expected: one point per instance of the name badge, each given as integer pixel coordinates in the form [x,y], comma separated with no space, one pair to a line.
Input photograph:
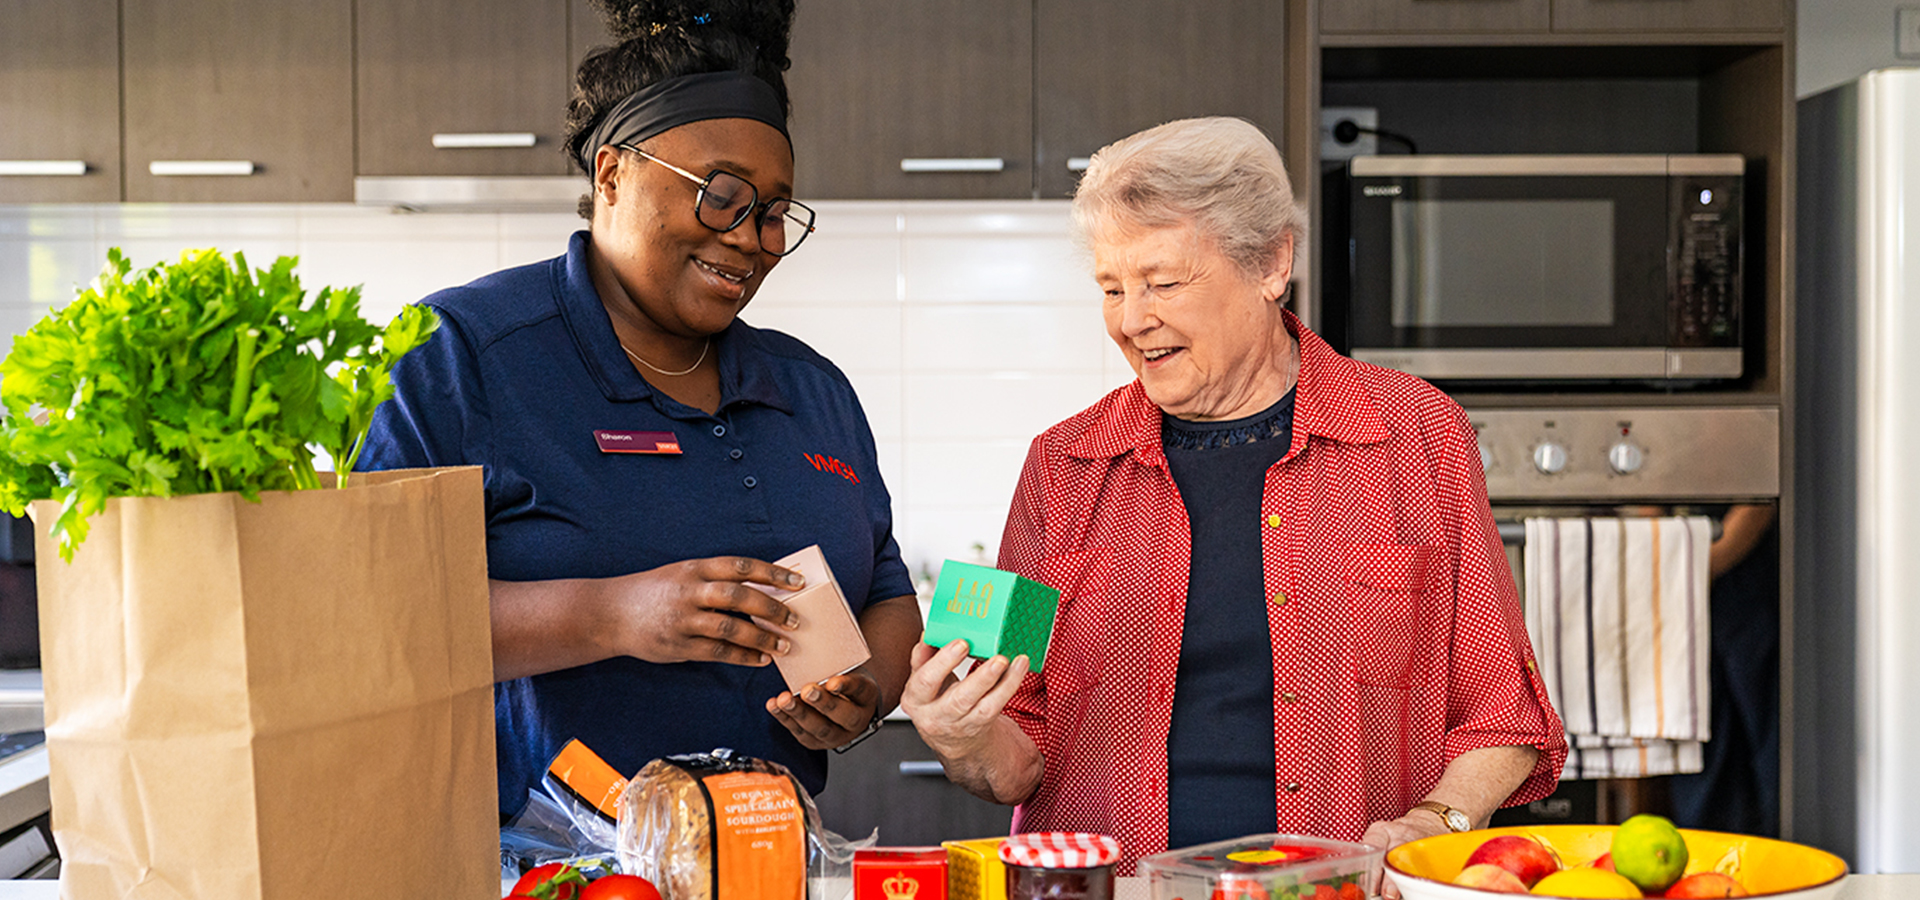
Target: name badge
[637,442]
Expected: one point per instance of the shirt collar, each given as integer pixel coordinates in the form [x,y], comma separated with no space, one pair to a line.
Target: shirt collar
[746,374]
[1331,400]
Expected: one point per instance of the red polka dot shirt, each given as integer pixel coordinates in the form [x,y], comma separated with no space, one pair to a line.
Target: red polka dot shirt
[1398,642]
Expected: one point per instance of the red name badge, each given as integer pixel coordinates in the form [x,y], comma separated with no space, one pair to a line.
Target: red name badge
[637,442]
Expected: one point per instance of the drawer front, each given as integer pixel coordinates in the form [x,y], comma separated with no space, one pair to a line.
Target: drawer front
[892,782]
[1414,16]
[1669,15]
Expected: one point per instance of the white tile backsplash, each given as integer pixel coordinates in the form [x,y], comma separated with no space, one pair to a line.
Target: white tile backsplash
[392,273]
[48,222]
[942,534]
[46,272]
[855,338]
[833,268]
[968,338]
[995,405]
[964,474]
[1013,268]
[966,327]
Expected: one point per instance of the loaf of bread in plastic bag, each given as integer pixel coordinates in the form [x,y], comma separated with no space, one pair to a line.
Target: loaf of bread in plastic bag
[716,826]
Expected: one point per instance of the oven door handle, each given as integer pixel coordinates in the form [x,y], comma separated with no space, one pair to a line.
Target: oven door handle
[1516,532]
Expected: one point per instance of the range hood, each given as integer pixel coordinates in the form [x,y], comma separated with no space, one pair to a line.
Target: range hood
[462,193]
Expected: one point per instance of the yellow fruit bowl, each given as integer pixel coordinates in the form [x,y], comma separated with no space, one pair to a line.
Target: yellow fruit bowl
[1424,869]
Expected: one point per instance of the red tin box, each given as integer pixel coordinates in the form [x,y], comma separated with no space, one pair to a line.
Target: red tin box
[900,873]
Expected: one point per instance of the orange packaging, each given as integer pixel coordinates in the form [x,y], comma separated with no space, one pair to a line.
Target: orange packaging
[588,778]
[974,870]
[759,839]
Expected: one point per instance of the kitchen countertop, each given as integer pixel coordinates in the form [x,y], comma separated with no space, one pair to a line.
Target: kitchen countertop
[1857,887]
[23,794]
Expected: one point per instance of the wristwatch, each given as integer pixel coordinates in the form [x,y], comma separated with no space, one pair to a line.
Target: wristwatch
[872,728]
[1454,819]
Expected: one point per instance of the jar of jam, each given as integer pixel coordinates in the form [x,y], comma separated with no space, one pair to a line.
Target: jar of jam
[1058,865]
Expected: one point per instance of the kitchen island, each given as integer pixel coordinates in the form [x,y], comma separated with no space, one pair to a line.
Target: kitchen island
[1857,887]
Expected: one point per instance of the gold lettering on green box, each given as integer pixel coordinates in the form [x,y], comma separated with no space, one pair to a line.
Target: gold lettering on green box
[997,613]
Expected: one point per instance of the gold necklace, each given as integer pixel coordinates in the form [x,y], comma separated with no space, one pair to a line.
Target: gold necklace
[696,363]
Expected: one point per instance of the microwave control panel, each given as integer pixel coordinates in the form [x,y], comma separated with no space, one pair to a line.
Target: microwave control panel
[1619,454]
[1704,281]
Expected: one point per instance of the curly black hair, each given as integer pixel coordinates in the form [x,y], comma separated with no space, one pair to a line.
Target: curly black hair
[661,39]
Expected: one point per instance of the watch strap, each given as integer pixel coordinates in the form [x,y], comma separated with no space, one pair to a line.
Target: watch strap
[1454,819]
[871,729]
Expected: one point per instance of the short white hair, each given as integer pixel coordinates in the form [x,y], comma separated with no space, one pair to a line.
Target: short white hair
[1220,174]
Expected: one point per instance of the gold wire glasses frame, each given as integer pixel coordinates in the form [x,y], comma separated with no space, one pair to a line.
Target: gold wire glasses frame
[719,207]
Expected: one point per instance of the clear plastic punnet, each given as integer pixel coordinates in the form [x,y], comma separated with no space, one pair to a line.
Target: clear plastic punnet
[1264,867]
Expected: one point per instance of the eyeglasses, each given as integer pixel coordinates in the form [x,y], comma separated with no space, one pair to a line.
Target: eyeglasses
[726,201]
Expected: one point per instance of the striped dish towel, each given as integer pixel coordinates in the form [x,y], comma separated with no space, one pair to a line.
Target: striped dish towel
[1617,609]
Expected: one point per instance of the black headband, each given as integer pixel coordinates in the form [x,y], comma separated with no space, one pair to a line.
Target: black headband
[679,100]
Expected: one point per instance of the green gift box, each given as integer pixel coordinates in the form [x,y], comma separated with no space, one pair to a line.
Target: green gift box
[996,612]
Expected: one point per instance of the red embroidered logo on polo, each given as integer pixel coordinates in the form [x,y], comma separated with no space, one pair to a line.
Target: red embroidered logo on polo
[829,464]
[662,442]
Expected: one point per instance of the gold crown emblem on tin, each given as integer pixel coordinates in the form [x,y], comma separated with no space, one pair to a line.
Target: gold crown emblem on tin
[900,887]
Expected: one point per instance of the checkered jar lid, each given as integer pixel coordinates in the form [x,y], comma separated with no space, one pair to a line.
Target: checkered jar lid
[1060,850]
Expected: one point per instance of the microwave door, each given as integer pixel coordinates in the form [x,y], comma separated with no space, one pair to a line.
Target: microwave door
[1517,276]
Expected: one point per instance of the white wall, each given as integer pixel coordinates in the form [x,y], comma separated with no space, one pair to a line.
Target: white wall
[966,327]
[1840,40]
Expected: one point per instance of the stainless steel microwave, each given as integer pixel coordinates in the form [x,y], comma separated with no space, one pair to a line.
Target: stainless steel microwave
[1556,268]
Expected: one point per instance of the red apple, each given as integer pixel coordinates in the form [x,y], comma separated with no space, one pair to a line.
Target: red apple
[1604,862]
[1489,877]
[1524,857]
[1706,884]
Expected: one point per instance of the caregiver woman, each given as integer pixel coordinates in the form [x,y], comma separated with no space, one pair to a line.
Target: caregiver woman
[1284,604]
[646,452]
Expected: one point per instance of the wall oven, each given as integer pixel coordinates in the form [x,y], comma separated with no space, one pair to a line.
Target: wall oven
[1561,268]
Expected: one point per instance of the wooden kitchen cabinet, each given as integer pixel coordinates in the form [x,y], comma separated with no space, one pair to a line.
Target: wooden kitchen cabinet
[941,84]
[61,95]
[1415,16]
[461,87]
[1109,68]
[1669,15]
[585,31]
[867,788]
[265,85]
[1524,16]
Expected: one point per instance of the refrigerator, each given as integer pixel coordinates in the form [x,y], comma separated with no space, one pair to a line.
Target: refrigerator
[1855,713]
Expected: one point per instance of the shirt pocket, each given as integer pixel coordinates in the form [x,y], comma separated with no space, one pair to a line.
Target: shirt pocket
[1383,585]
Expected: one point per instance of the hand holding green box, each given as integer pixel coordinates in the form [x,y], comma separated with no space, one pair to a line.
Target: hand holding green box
[997,613]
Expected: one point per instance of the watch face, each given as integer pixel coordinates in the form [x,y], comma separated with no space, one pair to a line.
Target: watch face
[1457,820]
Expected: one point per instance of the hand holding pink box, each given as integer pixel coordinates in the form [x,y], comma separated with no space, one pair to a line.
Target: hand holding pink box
[828,641]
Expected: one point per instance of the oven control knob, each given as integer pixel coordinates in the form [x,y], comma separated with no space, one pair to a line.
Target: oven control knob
[1550,457]
[1626,457]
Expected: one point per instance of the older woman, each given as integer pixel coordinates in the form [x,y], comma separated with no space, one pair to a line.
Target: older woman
[1284,604]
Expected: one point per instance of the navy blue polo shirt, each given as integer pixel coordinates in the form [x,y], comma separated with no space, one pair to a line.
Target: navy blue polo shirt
[523,370]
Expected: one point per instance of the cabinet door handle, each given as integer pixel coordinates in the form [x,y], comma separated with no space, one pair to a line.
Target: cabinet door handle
[1078,163]
[470,140]
[42,167]
[922,768]
[953,164]
[170,167]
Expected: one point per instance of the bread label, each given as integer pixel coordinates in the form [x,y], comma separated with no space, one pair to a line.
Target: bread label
[759,836]
[588,778]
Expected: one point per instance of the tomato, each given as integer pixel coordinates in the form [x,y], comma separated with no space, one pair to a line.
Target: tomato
[529,883]
[620,887]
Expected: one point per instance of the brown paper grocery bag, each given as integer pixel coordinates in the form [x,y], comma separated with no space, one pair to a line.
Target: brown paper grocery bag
[284,699]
